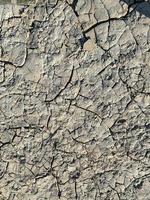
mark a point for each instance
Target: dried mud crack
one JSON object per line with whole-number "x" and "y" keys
{"x": 74, "y": 100}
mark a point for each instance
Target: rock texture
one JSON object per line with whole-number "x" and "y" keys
{"x": 75, "y": 100}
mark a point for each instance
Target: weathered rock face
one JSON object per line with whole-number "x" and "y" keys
{"x": 75, "y": 100}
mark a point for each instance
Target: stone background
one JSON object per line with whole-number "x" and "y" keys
{"x": 24, "y": 2}
{"x": 75, "y": 100}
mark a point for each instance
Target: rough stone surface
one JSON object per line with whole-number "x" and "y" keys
{"x": 75, "y": 100}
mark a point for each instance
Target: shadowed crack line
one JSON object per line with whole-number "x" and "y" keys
{"x": 70, "y": 78}
{"x": 88, "y": 110}
{"x": 112, "y": 19}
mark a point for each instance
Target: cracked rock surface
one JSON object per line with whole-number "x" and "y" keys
{"x": 75, "y": 100}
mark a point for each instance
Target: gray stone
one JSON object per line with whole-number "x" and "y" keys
{"x": 74, "y": 100}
